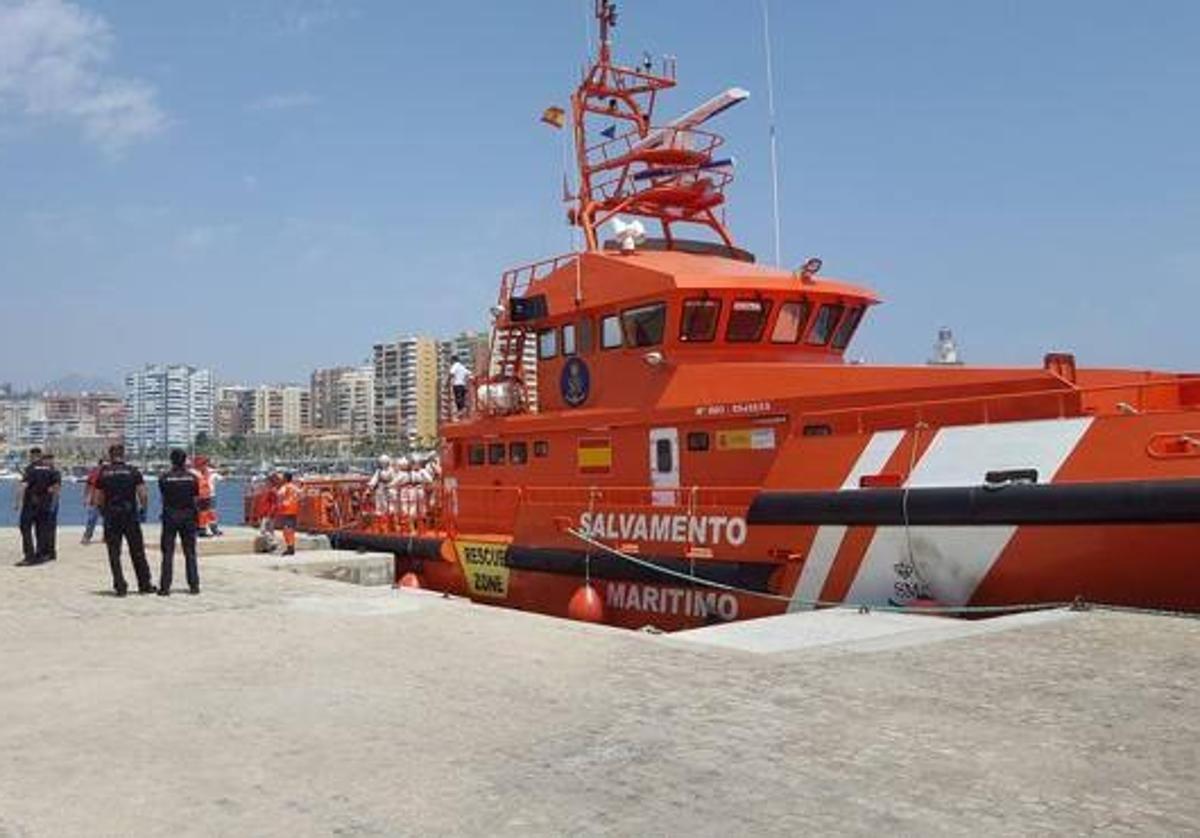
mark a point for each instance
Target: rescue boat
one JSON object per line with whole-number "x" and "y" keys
{"x": 693, "y": 446}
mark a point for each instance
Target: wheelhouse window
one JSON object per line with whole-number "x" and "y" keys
{"x": 699, "y": 321}
{"x": 826, "y": 319}
{"x": 568, "y": 339}
{"x": 541, "y": 448}
{"x": 747, "y": 319}
{"x": 475, "y": 455}
{"x": 610, "y": 332}
{"x": 698, "y": 441}
{"x": 790, "y": 322}
{"x": 547, "y": 344}
{"x": 518, "y": 453}
{"x": 587, "y": 336}
{"x": 841, "y": 338}
{"x": 495, "y": 453}
{"x": 643, "y": 326}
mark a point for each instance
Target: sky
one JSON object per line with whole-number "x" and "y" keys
{"x": 268, "y": 186}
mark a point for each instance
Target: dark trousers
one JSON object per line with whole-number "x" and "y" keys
{"x": 126, "y": 526}
{"x": 93, "y": 517}
{"x": 38, "y": 530}
{"x": 185, "y": 528}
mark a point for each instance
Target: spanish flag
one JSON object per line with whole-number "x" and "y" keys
{"x": 554, "y": 116}
{"x": 594, "y": 456}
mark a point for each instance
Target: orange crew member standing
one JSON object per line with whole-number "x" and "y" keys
{"x": 288, "y": 509}
{"x": 206, "y": 518}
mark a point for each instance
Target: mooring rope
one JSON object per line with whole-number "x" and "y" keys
{"x": 817, "y": 603}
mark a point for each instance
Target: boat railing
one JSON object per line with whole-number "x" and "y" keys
{"x": 1127, "y": 397}
{"x": 516, "y": 281}
{"x": 628, "y": 166}
{"x": 446, "y": 509}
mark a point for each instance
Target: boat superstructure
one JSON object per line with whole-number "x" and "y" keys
{"x": 694, "y": 445}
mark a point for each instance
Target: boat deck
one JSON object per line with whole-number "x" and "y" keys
{"x": 289, "y": 704}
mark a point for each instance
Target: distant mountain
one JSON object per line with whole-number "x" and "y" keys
{"x": 76, "y": 383}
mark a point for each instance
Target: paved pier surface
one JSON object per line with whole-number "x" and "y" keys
{"x": 287, "y": 704}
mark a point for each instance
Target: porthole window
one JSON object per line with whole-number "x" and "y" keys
{"x": 518, "y": 453}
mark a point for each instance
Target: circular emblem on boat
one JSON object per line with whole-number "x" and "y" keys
{"x": 575, "y": 383}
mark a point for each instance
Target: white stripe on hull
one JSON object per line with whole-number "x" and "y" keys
{"x": 948, "y": 563}
{"x": 828, "y": 538}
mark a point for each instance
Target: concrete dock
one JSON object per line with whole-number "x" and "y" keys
{"x": 281, "y": 703}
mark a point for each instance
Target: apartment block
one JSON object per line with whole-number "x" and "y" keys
{"x": 282, "y": 410}
{"x": 168, "y": 405}
{"x": 406, "y": 389}
{"x": 234, "y": 411}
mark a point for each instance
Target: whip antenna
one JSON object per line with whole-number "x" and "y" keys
{"x": 771, "y": 132}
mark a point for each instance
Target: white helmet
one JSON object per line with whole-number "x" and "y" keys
{"x": 402, "y": 462}
{"x": 384, "y": 461}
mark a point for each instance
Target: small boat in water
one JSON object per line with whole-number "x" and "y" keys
{"x": 693, "y": 446}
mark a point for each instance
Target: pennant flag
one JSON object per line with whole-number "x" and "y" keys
{"x": 610, "y": 132}
{"x": 554, "y": 116}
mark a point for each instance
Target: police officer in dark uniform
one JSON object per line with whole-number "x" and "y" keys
{"x": 38, "y": 495}
{"x": 122, "y": 499}
{"x": 180, "y": 489}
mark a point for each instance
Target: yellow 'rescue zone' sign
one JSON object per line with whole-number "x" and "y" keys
{"x": 485, "y": 567}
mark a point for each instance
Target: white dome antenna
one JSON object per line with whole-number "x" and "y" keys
{"x": 628, "y": 234}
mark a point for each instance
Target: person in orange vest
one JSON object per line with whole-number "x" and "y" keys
{"x": 269, "y": 510}
{"x": 288, "y": 509}
{"x": 206, "y": 523}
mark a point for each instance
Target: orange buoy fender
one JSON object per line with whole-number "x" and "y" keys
{"x": 410, "y": 580}
{"x": 586, "y": 605}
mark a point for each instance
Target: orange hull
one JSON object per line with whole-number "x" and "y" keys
{"x": 694, "y": 444}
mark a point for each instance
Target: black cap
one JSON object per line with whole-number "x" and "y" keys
{"x": 178, "y": 457}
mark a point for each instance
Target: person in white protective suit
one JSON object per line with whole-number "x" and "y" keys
{"x": 413, "y": 481}
{"x": 382, "y": 486}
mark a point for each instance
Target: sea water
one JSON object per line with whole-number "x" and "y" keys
{"x": 71, "y": 511}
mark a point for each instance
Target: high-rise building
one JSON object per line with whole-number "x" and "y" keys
{"x": 406, "y": 390}
{"x": 167, "y": 405}
{"x": 473, "y": 350}
{"x": 343, "y": 400}
{"x": 282, "y": 410}
{"x": 234, "y": 411}
{"x": 85, "y": 415}
{"x": 356, "y": 402}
